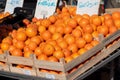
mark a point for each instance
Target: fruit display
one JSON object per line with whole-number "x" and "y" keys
{"x": 64, "y": 35}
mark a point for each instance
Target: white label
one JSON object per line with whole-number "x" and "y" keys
{"x": 27, "y": 72}
{"x": 45, "y": 8}
{"x": 11, "y": 4}
{"x": 88, "y": 7}
{"x": 50, "y": 76}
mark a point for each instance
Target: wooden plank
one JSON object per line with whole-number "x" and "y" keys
{"x": 20, "y": 60}
{"x": 49, "y": 65}
{"x": 3, "y": 57}
{"x": 94, "y": 61}
{"x": 22, "y": 71}
{"x": 4, "y": 68}
{"x": 111, "y": 10}
{"x": 84, "y": 57}
{"x": 111, "y": 38}
{"x": 52, "y": 76}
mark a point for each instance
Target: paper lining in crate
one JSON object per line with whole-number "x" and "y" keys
{"x": 3, "y": 62}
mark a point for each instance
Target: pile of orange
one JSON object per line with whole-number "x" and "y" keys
{"x": 64, "y": 35}
{"x": 2, "y": 15}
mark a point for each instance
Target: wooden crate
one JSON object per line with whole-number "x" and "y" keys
{"x": 90, "y": 58}
{"x": 94, "y": 56}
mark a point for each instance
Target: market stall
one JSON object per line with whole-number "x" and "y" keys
{"x": 58, "y": 44}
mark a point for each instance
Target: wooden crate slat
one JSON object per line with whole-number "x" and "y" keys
{"x": 49, "y": 65}
{"x": 52, "y": 76}
{"x": 20, "y": 60}
{"x": 4, "y": 68}
{"x": 94, "y": 61}
{"x": 22, "y": 71}
{"x": 84, "y": 57}
{"x": 3, "y": 57}
{"x": 111, "y": 38}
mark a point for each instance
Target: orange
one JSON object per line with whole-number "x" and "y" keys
{"x": 75, "y": 55}
{"x": 7, "y": 40}
{"x": 21, "y": 29}
{"x": 26, "y": 48}
{"x": 26, "y": 21}
{"x": 112, "y": 29}
{"x": 109, "y": 22}
{"x": 82, "y": 51}
{"x": 64, "y": 9}
{"x": 83, "y": 22}
{"x": 41, "y": 29}
{"x": 86, "y": 16}
{"x": 52, "y": 28}
{"x": 57, "y": 47}
{"x": 97, "y": 21}
{"x": 70, "y": 39}
{"x": 42, "y": 57}
{"x": 68, "y": 59}
{"x": 63, "y": 44}
{"x": 67, "y": 52}
{"x": 31, "y": 31}
{"x": 77, "y": 17}
{"x": 117, "y": 23}
{"x": 27, "y": 41}
{"x": 20, "y": 44}
{"x": 72, "y": 23}
{"x": 36, "y": 39}
{"x": 38, "y": 23}
{"x": 103, "y": 30}
{"x": 13, "y": 34}
{"x": 95, "y": 34}
{"x": 52, "y": 19}
{"x": 88, "y": 46}
{"x": 80, "y": 42}
{"x": 73, "y": 48}
{"x": 58, "y": 54}
{"x": 56, "y": 36}
{"x": 5, "y": 46}
{"x": 53, "y": 59}
{"x": 76, "y": 33}
{"x": 88, "y": 29}
{"x": 27, "y": 68}
{"x": 17, "y": 52}
{"x": 94, "y": 42}
{"x": 88, "y": 37}
{"x": 21, "y": 36}
{"x": 46, "y": 35}
{"x": 59, "y": 28}
{"x": 67, "y": 29}
{"x": 116, "y": 15}
{"x": 27, "y": 54}
{"x": 38, "y": 51}
{"x": 107, "y": 16}
{"x": 48, "y": 49}
{"x": 52, "y": 42}
{"x": 1, "y": 52}
{"x": 34, "y": 19}
{"x": 32, "y": 45}
{"x": 45, "y": 22}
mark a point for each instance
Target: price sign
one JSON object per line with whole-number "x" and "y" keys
{"x": 88, "y": 7}
{"x": 45, "y": 8}
{"x": 11, "y": 4}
